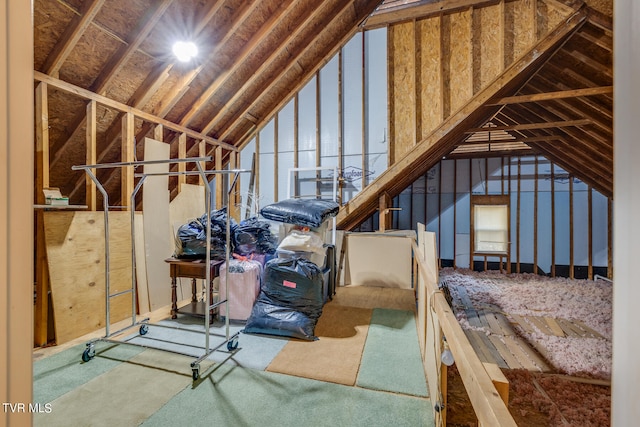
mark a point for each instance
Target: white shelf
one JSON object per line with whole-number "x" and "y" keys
{"x": 60, "y": 207}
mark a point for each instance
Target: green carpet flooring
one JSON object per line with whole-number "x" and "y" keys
{"x": 58, "y": 374}
{"x": 391, "y": 359}
{"x": 128, "y": 385}
{"x": 234, "y": 397}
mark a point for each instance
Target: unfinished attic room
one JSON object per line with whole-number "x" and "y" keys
{"x": 321, "y": 213}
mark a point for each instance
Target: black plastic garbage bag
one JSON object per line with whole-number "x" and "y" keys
{"x": 253, "y": 236}
{"x": 290, "y": 300}
{"x": 219, "y": 222}
{"x": 306, "y": 212}
{"x": 191, "y": 238}
{"x": 272, "y": 319}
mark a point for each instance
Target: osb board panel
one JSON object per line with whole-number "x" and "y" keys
{"x": 525, "y": 28}
{"x": 50, "y": 19}
{"x": 488, "y": 54}
{"x": 551, "y": 14}
{"x": 404, "y": 69}
{"x": 603, "y": 6}
{"x": 76, "y": 259}
{"x": 430, "y": 75}
{"x": 377, "y": 259}
{"x": 520, "y": 25}
{"x": 461, "y": 68}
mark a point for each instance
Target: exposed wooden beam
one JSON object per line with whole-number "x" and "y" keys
{"x": 574, "y": 161}
{"x": 605, "y": 42}
{"x": 182, "y": 154}
{"x": 605, "y": 69}
{"x": 127, "y": 155}
{"x": 553, "y": 95}
{"x": 529, "y": 126}
{"x": 91, "y": 156}
{"x": 84, "y": 93}
{"x": 74, "y": 30}
{"x": 421, "y": 10}
{"x": 284, "y": 44}
{"x": 524, "y": 151}
{"x": 601, "y": 112}
{"x": 41, "y": 309}
{"x": 442, "y": 139}
{"x": 580, "y": 109}
{"x": 153, "y": 81}
{"x": 339, "y": 15}
{"x": 42, "y": 140}
{"x": 511, "y": 141}
{"x": 576, "y": 140}
{"x": 125, "y": 51}
{"x": 209, "y": 91}
{"x": 603, "y": 140}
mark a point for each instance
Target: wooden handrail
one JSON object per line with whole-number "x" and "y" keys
{"x": 485, "y": 399}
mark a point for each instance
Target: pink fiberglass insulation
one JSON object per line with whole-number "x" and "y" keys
{"x": 583, "y": 301}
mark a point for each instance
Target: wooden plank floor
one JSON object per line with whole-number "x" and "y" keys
{"x": 495, "y": 338}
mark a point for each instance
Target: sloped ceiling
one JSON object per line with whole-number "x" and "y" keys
{"x": 564, "y": 111}
{"x": 559, "y": 106}
{"x": 254, "y": 55}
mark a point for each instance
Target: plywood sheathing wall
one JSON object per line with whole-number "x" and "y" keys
{"x": 437, "y": 64}
{"x": 76, "y": 259}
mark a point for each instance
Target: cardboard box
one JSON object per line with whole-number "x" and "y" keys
{"x": 53, "y": 197}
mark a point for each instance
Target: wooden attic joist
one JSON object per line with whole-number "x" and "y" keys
{"x": 443, "y": 139}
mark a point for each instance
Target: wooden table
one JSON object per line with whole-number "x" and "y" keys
{"x": 193, "y": 269}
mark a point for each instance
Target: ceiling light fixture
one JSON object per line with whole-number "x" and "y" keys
{"x": 185, "y": 51}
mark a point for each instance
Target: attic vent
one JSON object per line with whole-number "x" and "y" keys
{"x": 489, "y": 141}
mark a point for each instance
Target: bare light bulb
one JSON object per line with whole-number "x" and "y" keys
{"x": 447, "y": 356}
{"x": 185, "y": 51}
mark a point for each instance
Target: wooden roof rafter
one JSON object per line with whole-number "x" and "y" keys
{"x": 293, "y": 35}
{"x": 141, "y": 96}
{"x": 569, "y": 133}
{"x": 580, "y": 108}
{"x": 74, "y": 30}
{"x": 443, "y": 139}
{"x": 562, "y": 112}
{"x": 530, "y": 126}
{"x": 546, "y": 96}
{"x": 338, "y": 15}
{"x": 578, "y": 160}
{"x": 117, "y": 61}
{"x": 113, "y": 67}
{"x": 144, "y": 93}
{"x": 118, "y": 106}
{"x": 419, "y": 10}
{"x": 239, "y": 59}
{"x": 586, "y": 160}
{"x": 599, "y": 111}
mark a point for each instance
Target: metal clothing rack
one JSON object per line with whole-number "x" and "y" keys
{"x": 231, "y": 340}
